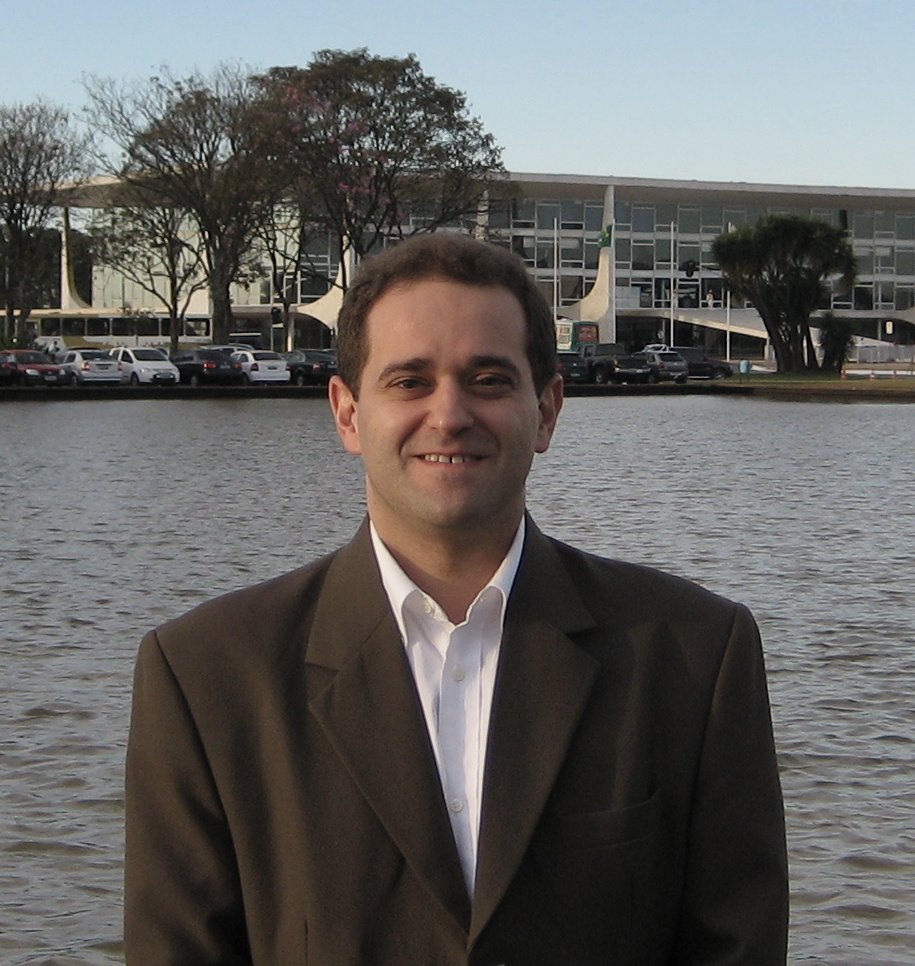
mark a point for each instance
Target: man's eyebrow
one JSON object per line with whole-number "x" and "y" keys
{"x": 418, "y": 364}
{"x": 495, "y": 362}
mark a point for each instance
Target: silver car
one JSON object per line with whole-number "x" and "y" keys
{"x": 665, "y": 364}
{"x": 83, "y": 367}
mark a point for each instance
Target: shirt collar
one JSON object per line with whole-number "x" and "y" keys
{"x": 399, "y": 588}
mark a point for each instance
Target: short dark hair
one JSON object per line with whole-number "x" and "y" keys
{"x": 454, "y": 257}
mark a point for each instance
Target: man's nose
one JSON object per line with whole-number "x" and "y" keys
{"x": 449, "y": 408}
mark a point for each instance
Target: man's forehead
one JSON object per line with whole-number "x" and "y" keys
{"x": 492, "y": 291}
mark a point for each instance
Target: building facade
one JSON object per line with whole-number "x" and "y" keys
{"x": 656, "y": 281}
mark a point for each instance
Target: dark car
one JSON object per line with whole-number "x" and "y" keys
{"x": 29, "y": 367}
{"x": 310, "y": 367}
{"x": 572, "y": 367}
{"x": 633, "y": 367}
{"x": 665, "y": 365}
{"x": 702, "y": 365}
{"x": 199, "y": 367}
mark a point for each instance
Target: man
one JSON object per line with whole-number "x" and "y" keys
{"x": 455, "y": 740}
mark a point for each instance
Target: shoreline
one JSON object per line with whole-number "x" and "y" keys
{"x": 855, "y": 387}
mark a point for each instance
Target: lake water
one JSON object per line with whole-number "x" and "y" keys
{"x": 119, "y": 515}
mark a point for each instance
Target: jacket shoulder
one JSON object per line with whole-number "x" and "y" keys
{"x": 641, "y": 591}
{"x": 268, "y": 613}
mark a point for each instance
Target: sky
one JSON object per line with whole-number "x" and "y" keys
{"x": 812, "y": 92}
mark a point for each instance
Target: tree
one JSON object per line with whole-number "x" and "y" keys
{"x": 376, "y": 148}
{"x": 836, "y": 341}
{"x": 40, "y": 150}
{"x": 782, "y": 264}
{"x": 201, "y": 145}
{"x": 150, "y": 245}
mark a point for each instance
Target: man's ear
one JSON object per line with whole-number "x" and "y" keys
{"x": 343, "y": 405}
{"x": 550, "y": 404}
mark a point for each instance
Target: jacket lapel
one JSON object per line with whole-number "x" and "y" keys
{"x": 543, "y": 684}
{"x": 372, "y": 717}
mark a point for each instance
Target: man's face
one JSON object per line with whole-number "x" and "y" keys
{"x": 447, "y": 420}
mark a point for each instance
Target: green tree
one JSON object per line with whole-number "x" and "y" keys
{"x": 782, "y": 264}
{"x": 837, "y": 337}
{"x": 374, "y": 148}
{"x": 201, "y": 145}
{"x": 40, "y": 150}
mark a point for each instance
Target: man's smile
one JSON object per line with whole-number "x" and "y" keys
{"x": 445, "y": 458}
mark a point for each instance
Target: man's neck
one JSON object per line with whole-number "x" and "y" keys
{"x": 452, "y": 573}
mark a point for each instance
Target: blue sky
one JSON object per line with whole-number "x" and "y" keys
{"x": 813, "y": 92}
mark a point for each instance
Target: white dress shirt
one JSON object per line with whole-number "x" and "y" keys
{"x": 454, "y": 666}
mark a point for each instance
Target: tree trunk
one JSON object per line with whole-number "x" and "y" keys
{"x": 173, "y": 332}
{"x": 222, "y": 312}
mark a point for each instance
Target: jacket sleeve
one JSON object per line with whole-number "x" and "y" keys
{"x": 736, "y": 898}
{"x": 183, "y": 901}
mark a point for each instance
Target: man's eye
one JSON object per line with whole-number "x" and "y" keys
{"x": 408, "y": 383}
{"x": 492, "y": 380}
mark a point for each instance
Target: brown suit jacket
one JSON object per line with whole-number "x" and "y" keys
{"x": 283, "y": 804}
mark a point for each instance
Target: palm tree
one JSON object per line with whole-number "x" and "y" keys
{"x": 781, "y": 264}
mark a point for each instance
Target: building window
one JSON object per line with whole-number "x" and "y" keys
{"x": 905, "y": 227}
{"x": 545, "y": 255}
{"x": 905, "y": 261}
{"x": 905, "y": 298}
{"x": 863, "y": 224}
{"x": 689, "y": 221}
{"x": 594, "y": 217}
{"x": 547, "y": 215}
{"x": 572, "y": 214}
{"x": 523, "y": 214}
{"x": 523, "y": 247}
{"x": 571, "y": 252}
{"x": 642, "y": 219}
{"x": 884, "y": 224}
{"x": 642, "y": 257}
{"x": 711, "y": 220}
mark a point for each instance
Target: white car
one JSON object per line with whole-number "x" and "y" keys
{"x": 261, "y": 365}
{"x": 84, "y": 367}
{"x": 145, "y": 364}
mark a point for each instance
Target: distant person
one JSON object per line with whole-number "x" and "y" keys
{"x": 454, "y": 740}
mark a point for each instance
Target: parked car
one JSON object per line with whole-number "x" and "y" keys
{"x": 145, "y": 364}
{"x": 29, "y": 367}
{"x": 230, "y": 348}
{"x": 199, "y": 367}
{"x": 665, "y": 365}
{"x": 702, "y": 365}
{"x": 310, "y": 367}
{"x": 633, "y": 367}
{"x": 96, "y": 367}
{"x": 600, "y": 358}
{"x": 262, "y": 365}
{"x": 8, "y": 370}
{"x": 572, "y": 367}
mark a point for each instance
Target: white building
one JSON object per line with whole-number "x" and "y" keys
{"x": 657, "y": 282}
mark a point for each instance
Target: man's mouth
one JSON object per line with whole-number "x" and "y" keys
{"x": 445, "y": 458}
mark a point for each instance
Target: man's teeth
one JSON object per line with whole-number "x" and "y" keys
{"x": 441, "y": 458}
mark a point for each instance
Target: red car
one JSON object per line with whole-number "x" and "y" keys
{"x": 31, "y": 368}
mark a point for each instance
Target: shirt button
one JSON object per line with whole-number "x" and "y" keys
{"x": 457, "y": 673}
{"x": 456, "y": 805}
